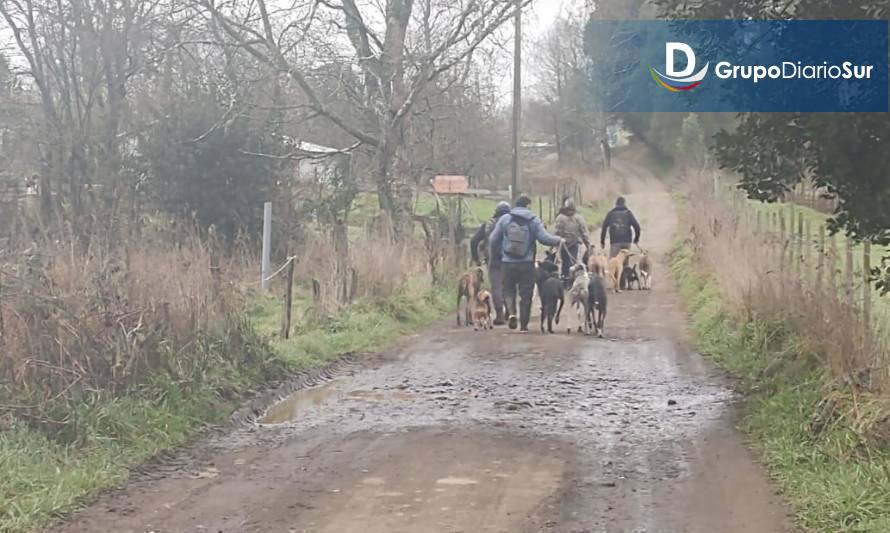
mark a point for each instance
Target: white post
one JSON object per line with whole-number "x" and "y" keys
{"x": 267, "y": 245}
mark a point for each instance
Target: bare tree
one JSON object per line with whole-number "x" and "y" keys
{"x": 400, "y": 47}
{"x": 83, "y": 57}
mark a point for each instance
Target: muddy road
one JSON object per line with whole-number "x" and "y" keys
{"x": 485, "y": 432}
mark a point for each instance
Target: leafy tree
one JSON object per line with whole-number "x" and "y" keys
{"x": 206, "y": 168}
{"x": 691, "y": 147}
{"x": 846, "y": 153}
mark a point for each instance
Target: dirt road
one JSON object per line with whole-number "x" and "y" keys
{"x": 486, "y": 432}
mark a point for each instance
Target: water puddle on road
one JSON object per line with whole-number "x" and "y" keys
{"x": 292, "y": 408}
{"x": 296, "y": 406}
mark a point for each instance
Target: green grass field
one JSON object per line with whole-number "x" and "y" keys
{"x": 474, "y": 212}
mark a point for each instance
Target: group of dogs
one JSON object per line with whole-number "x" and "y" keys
{"x": 587, "y": 293}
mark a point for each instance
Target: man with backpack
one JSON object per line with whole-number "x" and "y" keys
{"x": 622, "y": 228}
{"x": 515, "y": 239}
{"x": 480, "y": 250}
{"x": 570, "y": 225}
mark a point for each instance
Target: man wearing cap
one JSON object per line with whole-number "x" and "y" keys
{"x": 480, "y": 250}
{"x": 514, "y": 238}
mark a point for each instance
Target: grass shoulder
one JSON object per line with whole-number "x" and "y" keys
{"x": 804, "y": 425}
{"x": 45, "y": 474}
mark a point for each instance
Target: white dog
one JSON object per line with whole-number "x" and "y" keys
{"x": 579, "y": 296}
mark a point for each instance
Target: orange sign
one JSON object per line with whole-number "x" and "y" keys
{"x": 451, "y": 184}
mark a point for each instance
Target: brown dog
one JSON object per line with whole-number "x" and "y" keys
{"x": 482, "y": 311}
{"x": 616, "y": 267}
{"x": 467, "y": 289}
{"x": 598, "y": 264}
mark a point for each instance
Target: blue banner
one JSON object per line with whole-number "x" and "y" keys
{"x": 738, "y": 66}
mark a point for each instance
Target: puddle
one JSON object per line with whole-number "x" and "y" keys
{"x": 457, "y": 481}
{"x": 380, "y": 396}
{"x": 292, "y": 408}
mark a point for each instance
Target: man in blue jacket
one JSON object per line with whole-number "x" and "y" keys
{"x": 515, "y": 239}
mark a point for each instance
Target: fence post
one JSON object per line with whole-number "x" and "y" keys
{"x": 851, "y": 297}
{"x": 820, "y": 268}
{"x": 288, "y": 301}
{"x": 800, "y": 244}
{"x": 2, "y": 327}
{"x": 832, "y": 273}
{"x": 866, "y": 287}
{"x": 807, "y": 256}
{"x": 341, "y": 260}
{"x": 267, "y": 246}
{"x": 783, "y": 245}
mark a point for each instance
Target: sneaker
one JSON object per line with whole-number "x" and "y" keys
{"x": 513, "y": 322}
{"x": 523, "y": 330}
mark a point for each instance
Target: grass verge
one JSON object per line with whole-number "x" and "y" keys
{"x": 835, "y": 480}
{"x": 45, "y": 474}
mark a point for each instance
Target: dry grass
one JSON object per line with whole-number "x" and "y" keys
{"x": 81, "y": 318}
{"x": 760, "y": 274}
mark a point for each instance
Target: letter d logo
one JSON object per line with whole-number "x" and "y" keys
{"x": 671, "y": 50}
{"x": 677, "y": 81}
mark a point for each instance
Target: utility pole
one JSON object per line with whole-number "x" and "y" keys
{"x": 517, "y": 99}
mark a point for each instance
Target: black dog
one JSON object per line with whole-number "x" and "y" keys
{"x": 551, "y": 292}
{"x": 629, "y": 276}
{"x": 596, "y": 311}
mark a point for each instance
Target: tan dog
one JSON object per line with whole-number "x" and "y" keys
{"x": 468, "y": 288}
{"x": 598, "y": 264}
{"x": 482, "y": 311}
{"x": 645, "y": 266}
{"x": 616, "y": 266}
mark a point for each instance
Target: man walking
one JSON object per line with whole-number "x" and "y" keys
{"x": 622, "y": 228}
{"x": 570, "y": 225}
{"x": 480, "y": 247}
{"x": 515, "y": 239}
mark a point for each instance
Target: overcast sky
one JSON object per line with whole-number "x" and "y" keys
{"x": 539, "y": 17}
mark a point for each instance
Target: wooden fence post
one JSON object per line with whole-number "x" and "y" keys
{"x": 783, "y": 245}
{"x": 820, "y": 268}
{"x": 2, "y": 327}
{"x": 832, "y": 265}
{"x": 341, "y": 260}
{"x": 807, "y": 256}
{"x": 866, "y": 287}
{"x": 849, "y": 288}
{"x": 800, "y": 245}
{"x": 288, "y": 301}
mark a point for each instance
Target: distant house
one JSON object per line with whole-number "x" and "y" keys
{"x": 318, "y": 164}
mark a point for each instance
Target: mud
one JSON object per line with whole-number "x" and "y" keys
{"x": 486, "y": 432}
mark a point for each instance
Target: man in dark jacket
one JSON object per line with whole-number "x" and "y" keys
{"x": 514, "y": 238}
{"x": 480, "y": 250}
{"x": 622, "y": 227}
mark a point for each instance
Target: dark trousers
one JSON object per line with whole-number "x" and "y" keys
{"x": 569, "y": 259}
{"x": 519, "y": 279}
{"x": 616, "y": 247}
